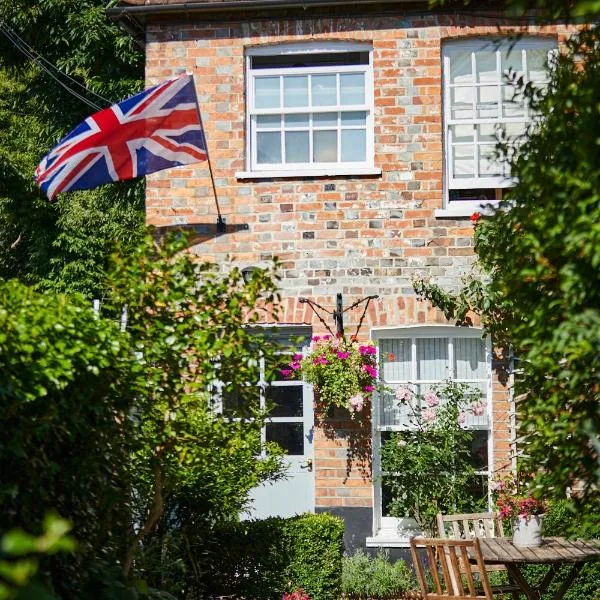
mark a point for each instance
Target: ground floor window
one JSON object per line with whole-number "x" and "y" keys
{"x": 415, "y": 363}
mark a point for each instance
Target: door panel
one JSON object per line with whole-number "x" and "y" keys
{"x": 291, "y": 426}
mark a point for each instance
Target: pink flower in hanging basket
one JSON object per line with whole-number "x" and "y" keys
{"x": 372, "y": 371}
{"x": 356, "y": 402}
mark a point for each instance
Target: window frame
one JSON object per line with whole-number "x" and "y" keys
{"x": 282, "y": 334}
{"x": 385, "y": 529}
{"x": 283, "y": 169}
{"x": 472, "y": 45}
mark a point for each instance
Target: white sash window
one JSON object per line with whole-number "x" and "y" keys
{"x": 479, "y": 99}
{"x": 310, "y": 109}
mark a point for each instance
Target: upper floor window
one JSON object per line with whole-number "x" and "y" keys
{"x": 479, "y": 98}
{"x": 310, "y": 109}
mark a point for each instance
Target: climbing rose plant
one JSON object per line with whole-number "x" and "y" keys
{"x": 343, "y": 372}
{"x": 427, "y": 467}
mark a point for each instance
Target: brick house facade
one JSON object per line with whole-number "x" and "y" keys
{"x": 359, "y": 229}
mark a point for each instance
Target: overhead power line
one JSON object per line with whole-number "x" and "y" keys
{"x": 46, "y": 66}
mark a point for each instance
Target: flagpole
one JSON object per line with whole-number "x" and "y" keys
{"x": 221, "y": 225}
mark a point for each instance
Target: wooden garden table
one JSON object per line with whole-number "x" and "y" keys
{"x": 554, "y": 551}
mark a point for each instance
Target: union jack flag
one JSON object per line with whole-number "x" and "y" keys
{"x": 156, "y": 129}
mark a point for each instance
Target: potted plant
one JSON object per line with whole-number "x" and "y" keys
{"x": 344, "y": 373}
{"x": 516, "y": 502}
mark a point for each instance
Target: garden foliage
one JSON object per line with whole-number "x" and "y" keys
{"x": 119, "y": 431}
{"x": 67, "y": 387}
{"x": 541, "y": 256}
{"x": 364, "y": 576}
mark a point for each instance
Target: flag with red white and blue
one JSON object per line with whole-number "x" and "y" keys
{"x": 156, "y": 129}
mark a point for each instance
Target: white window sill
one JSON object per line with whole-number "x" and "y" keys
{"x": 321, "y": 172}
{"x": 387, "y": 541}
{"x": 465, "y": 211}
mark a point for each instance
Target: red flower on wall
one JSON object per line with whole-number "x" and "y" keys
{"x": 475, "y": 217}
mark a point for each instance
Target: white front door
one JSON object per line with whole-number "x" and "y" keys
{"x": 291, "y": 425}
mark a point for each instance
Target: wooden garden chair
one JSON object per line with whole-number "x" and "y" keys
{"x": 444, "y": 569}
{"x": 476, "y": 525}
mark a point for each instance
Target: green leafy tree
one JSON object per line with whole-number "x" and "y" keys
{"x": 63, "y": 246}
{"x": 541, "y": 254}
{"x": 196, "y": 463}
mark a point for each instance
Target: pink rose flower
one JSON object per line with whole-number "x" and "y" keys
{"x": 343, "y": 355}
{"x": 478, "y": 408}
{"x": 403, "y": 394}
{"x": 429, "y": 415}
{"x": 431, "y": 399}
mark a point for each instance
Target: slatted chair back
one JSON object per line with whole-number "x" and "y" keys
{"x": 467, "y": 526}
{"x": 444, "y": 569}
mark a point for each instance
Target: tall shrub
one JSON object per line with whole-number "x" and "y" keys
{"x": 66, "y": 390}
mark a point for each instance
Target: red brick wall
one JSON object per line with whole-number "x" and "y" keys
{"x": 368, "y": 235}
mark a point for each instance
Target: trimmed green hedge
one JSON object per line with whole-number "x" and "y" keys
{"x": 262, "y": 559}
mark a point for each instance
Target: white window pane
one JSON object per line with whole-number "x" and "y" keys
{"x": 325, "y": 146}
{"x": 485, "y": 65}
{"x": 461, "y": 103}
{"x": 296, "y": 147}
{"x": 463, "y": 161}
{"x": 268, "y": 121}
{"x": 324, "y": 90}
{"x": 268, "y": 147}
{"x": 469, "y": 356}
{"x": 352, "y": 88}
{"x": 432, "y": 358}
{"x": 354, "y": 145}
{"x": 325, "y": 120}
{"x": 487, "y": 102}
{"x": 512, "y": 62}
{"x": 300, "y": 120}
{"x": 475, "y": 406}
{"x": 354, "y": 118}
{"x": 489, "y": 165}
{"x": 295, "y": 91}
{"x": 512, "y": 102}
{"x": 461, "y": 68}
{"x": 462, "y": 133}
{"x": 395, "y": 359}
{"x": 266, "y": 90}
{"x": 536, "y": 64}
{"x": 487, "y": 133}
{"x": 515, "y": 130}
